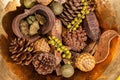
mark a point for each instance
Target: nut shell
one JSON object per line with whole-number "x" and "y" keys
{"x": 85, "y": 62}
{"x": 39, "y": 9}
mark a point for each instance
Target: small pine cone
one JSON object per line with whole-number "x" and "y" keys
{"x": 44, "y": 63}
{"x": 22, "y": 51}
{"x": 41, "y": 45}
{"x": 85, "y": 62}
{"x": 76, "y": 40}
{"x": 71, "y": 8}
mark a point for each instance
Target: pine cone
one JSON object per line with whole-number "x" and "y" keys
{"x": 22, "y": 51}
{"x": 41, "y": 45}
{"x": 75, "y": 39}
{"x": 72, "y": 8}
{"x": 44, "y": 63}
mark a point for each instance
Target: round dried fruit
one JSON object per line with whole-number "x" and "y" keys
{"x": 56, "y": 7}
{"x": 85, "y": 62}
{"x": 67, "y": 70}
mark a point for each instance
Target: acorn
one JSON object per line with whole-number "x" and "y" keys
{"x": 67, "y": 70}
{"x": 85, "y": 62}
{"x": 56, "y": 7}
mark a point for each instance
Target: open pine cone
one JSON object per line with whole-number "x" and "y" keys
{"x": 22, "y": 51}
{"x": 72, "y": 8}
{"x": 76, "y": 40}
{"x": 44, "y": 63}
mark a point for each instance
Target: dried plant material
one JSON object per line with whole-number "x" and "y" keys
{"x": 44, "y": 63}
{"x": 34, "y": 27}
{"x": 22, "y": 51}
{"x": 102, "y": 51}
{"x": 56, "y": 7}
{"x": 92, "y": 26}
{"x": 24, "y": 27}
{"x": 57, "y": 29}
{"x": 41, "y": 45}
{"x": 41, "y": 19}
{"x": 40, "y": 9}
{"x": 44, "y": 2}
{"x": 30, "y": 19}
{"x": 85, "y": 62}
{"x": 76, "y": 40}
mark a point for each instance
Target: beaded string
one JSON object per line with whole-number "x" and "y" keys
{"x": 74, "y": 24}
{"x": 60, "y": 47}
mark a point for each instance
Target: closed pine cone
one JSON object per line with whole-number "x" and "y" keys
{"x": 72, "y": 8}
{"x": 44, "y": 63}
{"x": 22, "y": 51}
{"x": 85, "y": 62}
{"x": 76, "y": 40}
{"x": 41, "y": 45}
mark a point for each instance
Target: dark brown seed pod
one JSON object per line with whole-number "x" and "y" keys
{"x": 40, "y": 9}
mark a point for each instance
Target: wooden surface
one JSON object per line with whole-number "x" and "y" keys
{"x": 11, "y": 71}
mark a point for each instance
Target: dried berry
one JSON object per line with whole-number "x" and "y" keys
{"x": 85, "y": 62}
{"x": 41, "y": 45}
{"x": 44, "y": 63}
{"x": 56, "y": 7}
{"x": 67, "y": 70}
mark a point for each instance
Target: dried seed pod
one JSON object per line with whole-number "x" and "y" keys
{"x": 39, "y": 9}
{"x": 44, "y": 63}
{"x": 103, "y": 46}
{"x": 85, "y": 62}
{"x": 24, "y": 27}
{"x": 92, "y": 26}
{"x": 41, "y": 45}
{"x": 34, "y": 27}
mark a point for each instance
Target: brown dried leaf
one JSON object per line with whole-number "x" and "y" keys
{"x": 103, "y": 47}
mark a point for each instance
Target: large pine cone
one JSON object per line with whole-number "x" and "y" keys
{"x": 72, "y": 8}
{"x": 44, "y": 63}
{"x": 76, "y": 40}
{"x": 22, "y": 51}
